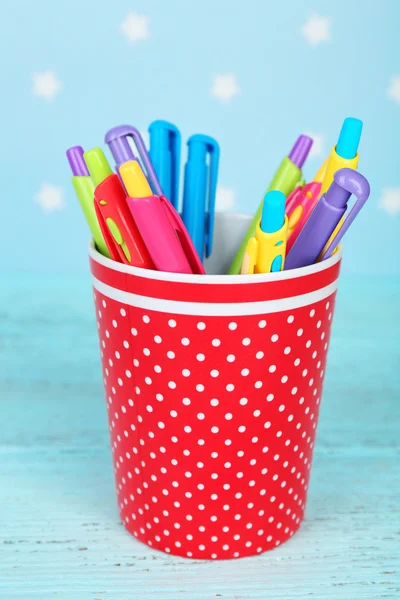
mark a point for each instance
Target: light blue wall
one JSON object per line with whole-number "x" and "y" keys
{"x": 287, "y": 85}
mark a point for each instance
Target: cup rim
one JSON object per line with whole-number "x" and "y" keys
{"x": 214, "y": 279}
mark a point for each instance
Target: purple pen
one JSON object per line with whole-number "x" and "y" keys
{"x": 117, "y": 140}
{"x": 76, "y": 161}
{"x": 326, "y": 216}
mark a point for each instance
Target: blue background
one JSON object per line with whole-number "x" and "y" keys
{"x": 287, "y": 87}
{"x": 60, "y": 528}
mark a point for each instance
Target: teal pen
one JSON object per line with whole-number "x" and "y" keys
{"x": 165, "y": 156}
{"x": 200, "y": 187}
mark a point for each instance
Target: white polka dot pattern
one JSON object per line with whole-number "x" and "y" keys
{"x": 212, "y": 423}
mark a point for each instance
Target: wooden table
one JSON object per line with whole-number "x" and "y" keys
{"x": 61, "y": 535}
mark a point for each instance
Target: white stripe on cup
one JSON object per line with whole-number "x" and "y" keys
{"x": 214, "y": 309}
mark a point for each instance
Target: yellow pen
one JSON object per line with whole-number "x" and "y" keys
{"x": 344, "y": 154}
{"x": 265, "y": 253}
{"x": 319, "y": 177}
{"x": 134, "y": 180}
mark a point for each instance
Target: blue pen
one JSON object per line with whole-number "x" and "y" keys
{"x": 199, "y": 191}
{"x": 165, "y": 156}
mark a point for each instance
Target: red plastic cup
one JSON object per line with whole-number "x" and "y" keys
{"x": 213, "y": 387}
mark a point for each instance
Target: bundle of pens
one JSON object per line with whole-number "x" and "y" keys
{"x": 213, "y": 384}
{"x": 133, "y": 213}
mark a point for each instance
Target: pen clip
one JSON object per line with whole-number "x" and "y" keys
{"x": 165, "y": 156}
{"x": 116, "y": 138}
{"x": 354, "y": 183}
{"x": 109, "y": 240}
{"x": 184, "y": 238}
{"x": 212, "y": 149}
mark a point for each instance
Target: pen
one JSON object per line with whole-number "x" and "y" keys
{"x": 266, "y": 251}
{"x": 300, "y": 204}
{"x": 285, "y": 180}
{"x": 84, "y": 189}
{"x": 165, "y": 156}
{"x": 199, "y": 191}
{"x": 160, "y": 226}
{"x": 330, "y": 209}
{"x": 117, "y": 140}
{"x": 320, "y": 174}
{"x": 343, "y": 155}
{"x": 119, "y": 229}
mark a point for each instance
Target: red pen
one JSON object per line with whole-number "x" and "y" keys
{"x": 116, "y": 222}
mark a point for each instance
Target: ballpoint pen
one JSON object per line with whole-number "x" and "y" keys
{"x": 332, "y": 206}
{"x": 165, "y": 156}
{"x": 117, "y": 140}
{"x": 286, "y": 178}
{"x": 320, "y": 174}
{"x": 84, "y": 189}
{"x": 119, "y": 229}
{"x": 344, "y": 154}
{"x": 300, "y": 204}
{"x": 159, "y": 224}
{"x": 266, "y": 251}
{"x": 199, "y": 192}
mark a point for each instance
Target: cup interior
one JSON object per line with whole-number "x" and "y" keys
{"x": 229, "y": 231}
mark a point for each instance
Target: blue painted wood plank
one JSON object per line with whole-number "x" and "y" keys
{"x": 59, "y": 526}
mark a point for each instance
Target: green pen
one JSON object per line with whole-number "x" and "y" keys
{"x": 84, "y": 187}
{"x": 286, "y": 178}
